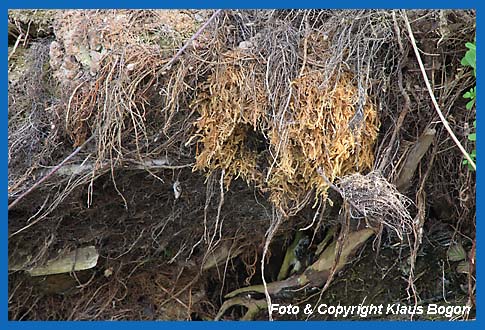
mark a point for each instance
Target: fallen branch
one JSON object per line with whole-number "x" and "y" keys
{"x": 128, "y": 164}
{"x": 431, "y": 94}
{"x": 79, "y": 259}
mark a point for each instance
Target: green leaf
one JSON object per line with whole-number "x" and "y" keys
{"x": 470, "y": 104}
{"x": 466, "y": 162}
{"x": 471, "y": 59}
{"x": 471, "y": 46}
{"x": 471, "y": 93}
{"x": 463, "y": 267}
{"x": 456, "y": 252}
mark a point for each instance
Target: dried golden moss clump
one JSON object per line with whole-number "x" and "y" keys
{"x": 232, "y": 106}
{"x": 239, "y": 133}
{"x": 319, "y": 134}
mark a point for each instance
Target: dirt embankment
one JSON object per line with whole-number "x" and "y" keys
{"x": 282, "y": 156}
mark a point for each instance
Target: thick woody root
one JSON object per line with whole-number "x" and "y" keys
{"x": 315, "y": 276}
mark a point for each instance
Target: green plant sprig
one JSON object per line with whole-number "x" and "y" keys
{"x": 470, "y": 60}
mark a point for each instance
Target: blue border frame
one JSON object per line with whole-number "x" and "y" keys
{"x": 335, "y": 4}
{"x": 282, "y": 4}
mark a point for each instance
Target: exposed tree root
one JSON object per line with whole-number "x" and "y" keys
{"x": 316, "y": 275}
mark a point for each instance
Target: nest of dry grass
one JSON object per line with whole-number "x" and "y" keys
{"x": 374, "y": 200}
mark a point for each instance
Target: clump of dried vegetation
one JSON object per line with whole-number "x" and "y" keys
{"x": 192, "y": 168}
